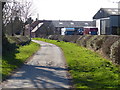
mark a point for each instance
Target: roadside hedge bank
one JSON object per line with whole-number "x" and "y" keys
{"x": 107, "y": 45}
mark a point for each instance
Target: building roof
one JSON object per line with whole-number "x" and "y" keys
{"x": 106, "y": 12}
{"x": 36, "y": 28}
{"x": 112, "y": 11}
{"x": 35, "y": 23}
{"x": 75, "y": 24}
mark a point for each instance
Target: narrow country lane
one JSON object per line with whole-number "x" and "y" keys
{"x": 46, "y": 69}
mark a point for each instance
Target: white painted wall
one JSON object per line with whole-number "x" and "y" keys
{"x": 63, "y": 31}
{"x": 98, "y": 25}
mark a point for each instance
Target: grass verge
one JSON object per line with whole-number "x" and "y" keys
{"x": 15, "y": 58}
{"x": 87, "y": 68}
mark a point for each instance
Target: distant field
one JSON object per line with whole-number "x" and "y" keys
{"x": 87, "y": 68}
{"x": 14, "y": 59}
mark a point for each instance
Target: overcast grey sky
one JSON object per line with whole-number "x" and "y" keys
{"x": 70, "y": 9}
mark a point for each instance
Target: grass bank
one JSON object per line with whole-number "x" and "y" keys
{"x": 15, "y": 58}
{"x": 87, "y": 68}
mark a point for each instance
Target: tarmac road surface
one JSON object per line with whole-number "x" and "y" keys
{"x": 46, "y": 69}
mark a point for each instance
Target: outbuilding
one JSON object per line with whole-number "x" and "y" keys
{"x": 107, "y": 21}
{"x": 58, "y": 27}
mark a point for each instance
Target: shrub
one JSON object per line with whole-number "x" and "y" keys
{"x": 108, "y": 43}
{"x": 118, "y": 31}
{"x": 115, "y": 52}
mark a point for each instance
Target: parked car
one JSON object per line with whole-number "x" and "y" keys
{"x": 90, "y": 31}
{"x": 69, "y": 31}
{"x": 80, "y": 31}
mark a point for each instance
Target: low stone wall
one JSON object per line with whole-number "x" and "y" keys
{"x": 19, "y": 40}
{"x": 107, "y": 45}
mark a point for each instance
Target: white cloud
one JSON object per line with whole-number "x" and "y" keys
{"x": 70, "y": 9}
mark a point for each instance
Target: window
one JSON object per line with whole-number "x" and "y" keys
{"x": 86, "y": 24}
{"x": 60, "y": 23}
{"x": 114, "y": 13}
{"x": 109, "y": 10}
{"x": 72, "y": 23}
{"x": 116, "y": 10}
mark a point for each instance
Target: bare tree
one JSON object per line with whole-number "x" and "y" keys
{"x": 27, "y": 9}
{"x": 17, "y": 8}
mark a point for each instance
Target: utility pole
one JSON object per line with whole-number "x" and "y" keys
{"x": 2, "y": 2}
{"x": 119, "y": 14}
{"x": 119, "y": 17}
{"x": 118, "y": 2}
{"x": 0, "y": 37}
{"x": 0, "y": 30}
